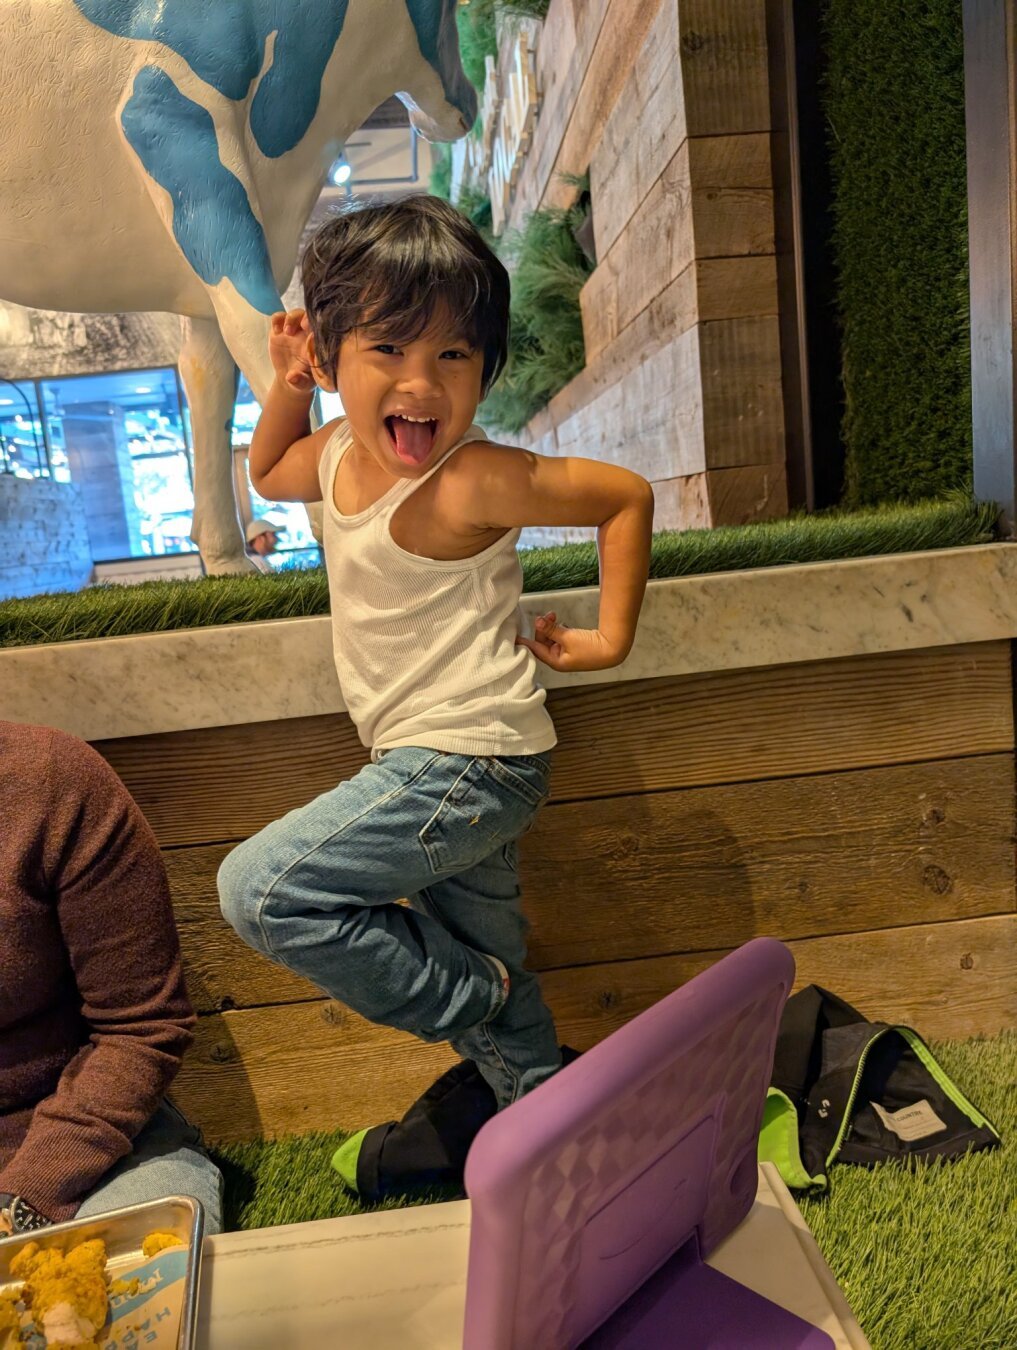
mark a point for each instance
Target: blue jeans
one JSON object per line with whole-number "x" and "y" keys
{"x": 316, "y": 891}
{"x": 167, "y": 1159}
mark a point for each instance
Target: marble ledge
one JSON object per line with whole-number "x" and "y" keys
{"x": 240, "y": 673}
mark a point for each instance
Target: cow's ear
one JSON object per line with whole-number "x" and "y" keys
{"x": 323, "y": 378}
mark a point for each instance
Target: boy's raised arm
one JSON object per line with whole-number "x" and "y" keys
{"x": 284, "y": 451}
{"x": 516, "y": 488}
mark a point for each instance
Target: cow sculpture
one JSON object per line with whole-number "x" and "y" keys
{"x": 166, "y": 154}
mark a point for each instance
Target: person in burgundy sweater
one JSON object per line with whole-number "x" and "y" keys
{"x": 94, "y": 1017}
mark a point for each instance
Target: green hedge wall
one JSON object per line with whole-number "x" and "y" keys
{"x": 894, "y": 101}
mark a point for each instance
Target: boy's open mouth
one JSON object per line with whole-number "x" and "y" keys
{"x": 412, "y": 440}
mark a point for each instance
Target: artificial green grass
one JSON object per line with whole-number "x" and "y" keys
{"x": 925, "y": 1256}
{"x": 289, "y": 1180}
{"x": 159, "y": 606}
{"x": 894, "y": 102}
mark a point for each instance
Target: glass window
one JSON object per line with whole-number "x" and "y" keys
{"x": 120, "y": 439}
{"x": 22, "y": 444}
{"x": 297, "y": 546}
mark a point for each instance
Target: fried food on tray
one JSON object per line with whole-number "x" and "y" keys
{"x": 158, "y": 1242}
{"x": 66, "y": 1292}
{"x": 10, "y": 1318}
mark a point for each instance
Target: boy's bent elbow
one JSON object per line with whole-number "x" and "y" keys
{"x": 641, "y": 498}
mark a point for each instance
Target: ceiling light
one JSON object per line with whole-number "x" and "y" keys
{"x": 341, "y": 172}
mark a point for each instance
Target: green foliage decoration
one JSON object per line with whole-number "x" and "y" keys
{"x": 440, "y": 184}
{"x": 525, "y": 9}
{"x": 546, "y": 347}
{"x": 478, "y": 37}
{"x": 894, "y": 102}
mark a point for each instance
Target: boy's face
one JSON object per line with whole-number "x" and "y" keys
{"x": 408, "y": 404}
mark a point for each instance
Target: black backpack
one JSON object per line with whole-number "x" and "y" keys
{"x": 848, "y": 1090}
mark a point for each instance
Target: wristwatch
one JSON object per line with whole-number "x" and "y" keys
{"x": 18, "y": 1216}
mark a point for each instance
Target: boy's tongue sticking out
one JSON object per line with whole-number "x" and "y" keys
{"x": 412, "y": 440}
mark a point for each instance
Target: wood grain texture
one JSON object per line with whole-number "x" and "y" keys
{"x": 713, "y": 200}
{"x": 709, "y": 288}
{"x": 314, "y": 1065}
{"x": 725, "y": 74}
{"x": 711, "y": 867}
{"x": 569, "y": 36}
{"x": 743, "y": 408}
{"x": 633, "y": 877}
{"x": 721, "y": 497}
{"x": 650, "y": 420}
{"x": 225, "y": 783}
{"x": 817, "y": 717}
{"x": 642, "y": 133}
{"x": 626, "y": 24}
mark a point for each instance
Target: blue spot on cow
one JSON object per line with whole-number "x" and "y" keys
{"x": 223, "y": 41}
{"x": 212, "y": 219}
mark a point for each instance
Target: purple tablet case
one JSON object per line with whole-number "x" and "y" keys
{"x": 594, "y": 1198}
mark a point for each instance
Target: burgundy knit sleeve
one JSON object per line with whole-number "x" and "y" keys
{"x": 104, "y": 872}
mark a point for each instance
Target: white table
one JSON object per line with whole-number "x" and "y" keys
{"x": 397, "y": 1280}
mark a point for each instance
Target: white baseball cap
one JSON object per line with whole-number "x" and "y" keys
{"x": 261, "y": 526}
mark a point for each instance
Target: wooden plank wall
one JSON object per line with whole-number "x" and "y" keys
{"x": 666, "y": 104}
{"x": 862, "y": 810}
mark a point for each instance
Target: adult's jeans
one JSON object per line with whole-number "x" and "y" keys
{"x": 168, "y": 1158}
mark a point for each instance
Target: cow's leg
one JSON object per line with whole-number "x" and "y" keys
{"x": 246, "y": 333}
{"x": 209, "y": 379}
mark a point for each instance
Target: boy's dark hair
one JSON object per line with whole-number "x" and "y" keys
{"x": 394, "y": 267}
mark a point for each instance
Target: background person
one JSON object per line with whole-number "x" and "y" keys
{"x": 262, "y": 540}
{"x": 94, "y": 1017}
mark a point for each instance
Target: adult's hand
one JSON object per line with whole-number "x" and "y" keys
{"x": 18, "y": 1216}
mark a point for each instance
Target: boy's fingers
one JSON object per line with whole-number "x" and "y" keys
{"x": 544, "y": 653}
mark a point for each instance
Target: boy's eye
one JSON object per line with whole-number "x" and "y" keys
{"x": 462, "y": 356}
{"x": 386, "y": 348}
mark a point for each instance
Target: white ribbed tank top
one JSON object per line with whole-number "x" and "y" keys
{"x": 426, "y": 648}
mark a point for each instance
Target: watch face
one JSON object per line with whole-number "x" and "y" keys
{"x": 18, "y": 1216}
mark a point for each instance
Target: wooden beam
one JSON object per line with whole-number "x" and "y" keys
{"x": 712, "y": 200}
{"x": 703, "y": 869}
{"x": 737, "y": 496}
{"x": 307, "y": 1066}
{"x": 725, "y": 75}
{"x": 614, "y": 739}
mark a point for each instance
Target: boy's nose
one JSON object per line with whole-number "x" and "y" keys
{"x": 421, "y": 377}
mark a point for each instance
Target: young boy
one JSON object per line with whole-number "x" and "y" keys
{"x": 407, "y": 317}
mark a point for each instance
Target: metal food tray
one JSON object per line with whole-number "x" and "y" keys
{"x": 123, "y": 1231}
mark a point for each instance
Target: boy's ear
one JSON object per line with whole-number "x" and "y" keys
{"x": 322, "y": 378}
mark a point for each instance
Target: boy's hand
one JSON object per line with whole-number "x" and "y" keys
{"x": 564, "y": 648}
{"x": 287, "y": 347}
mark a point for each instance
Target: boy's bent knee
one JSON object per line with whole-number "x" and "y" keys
{"x": 238, "y": 891}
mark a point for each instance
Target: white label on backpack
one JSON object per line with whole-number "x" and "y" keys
{"x": 910, "y": 1122}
